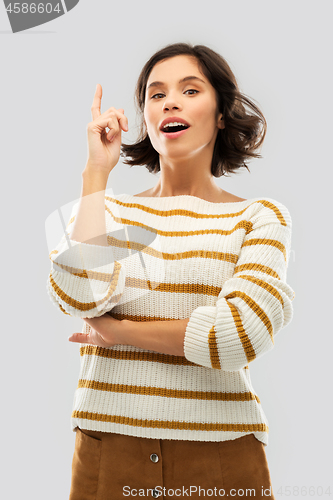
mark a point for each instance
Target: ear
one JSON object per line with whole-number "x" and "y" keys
{"x": 220, "y": 121}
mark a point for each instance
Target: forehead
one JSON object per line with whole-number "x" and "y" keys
{"x": 174, "y": 68}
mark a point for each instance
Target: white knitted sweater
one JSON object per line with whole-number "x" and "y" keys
{"x": 224, "y": 266}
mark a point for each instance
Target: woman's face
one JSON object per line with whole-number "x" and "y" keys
{"x": 170, "y": 93}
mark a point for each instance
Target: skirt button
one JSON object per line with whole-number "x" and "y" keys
{"x": 154, "y": 458}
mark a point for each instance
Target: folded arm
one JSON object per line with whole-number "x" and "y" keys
{"x": 252, "y": 306}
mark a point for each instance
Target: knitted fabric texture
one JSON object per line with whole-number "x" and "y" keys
{"x": 223, "y": 266}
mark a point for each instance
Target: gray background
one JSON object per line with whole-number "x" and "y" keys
{"x": 281, "y": 55}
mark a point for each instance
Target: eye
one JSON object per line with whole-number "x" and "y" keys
{"x": 189, "y": 90}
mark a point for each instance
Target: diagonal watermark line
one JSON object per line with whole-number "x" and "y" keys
{"x": 64, "y": 227}
{"x": 64, "y": 6}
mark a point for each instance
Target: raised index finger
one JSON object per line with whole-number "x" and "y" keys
{"x": 96, "y": 105}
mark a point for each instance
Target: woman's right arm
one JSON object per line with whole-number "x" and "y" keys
{"x": 103, "y": 156}
{"x": 85, "y": 281}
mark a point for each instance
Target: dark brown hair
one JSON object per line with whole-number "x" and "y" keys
{"x": 244, "y": 131}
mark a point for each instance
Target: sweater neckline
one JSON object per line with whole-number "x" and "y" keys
{"x": 188, "y": 197}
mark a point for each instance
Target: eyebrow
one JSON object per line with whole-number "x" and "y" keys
{"x": 156, "y": 84}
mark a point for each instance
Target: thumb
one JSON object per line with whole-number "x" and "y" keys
{"x": 82, "y": 338}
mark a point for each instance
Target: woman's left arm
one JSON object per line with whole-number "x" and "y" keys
{"x": 254, "y": 304}
{"x": 166, "y": 337}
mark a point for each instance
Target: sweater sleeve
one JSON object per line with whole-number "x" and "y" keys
{"x": 253, "y": 305}
{"x": 85, "y": 280}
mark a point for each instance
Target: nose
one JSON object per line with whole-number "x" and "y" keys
{"x": 171, "y": 103}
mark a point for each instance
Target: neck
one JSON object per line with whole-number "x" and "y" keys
{"x": 185, "y": 176}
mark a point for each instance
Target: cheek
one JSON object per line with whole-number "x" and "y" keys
{"x": 149, "y": 118}
{"x": 207, "y": 126}
{"x": 205, "y": 114}
{"x": 151, "y": 122}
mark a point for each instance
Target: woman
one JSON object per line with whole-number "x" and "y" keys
{"x": 180, "y": 288}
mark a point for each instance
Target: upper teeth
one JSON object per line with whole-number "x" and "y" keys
{"x": 174, "y": 124}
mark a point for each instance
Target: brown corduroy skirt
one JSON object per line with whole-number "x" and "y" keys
{"x": 109, "y": 466}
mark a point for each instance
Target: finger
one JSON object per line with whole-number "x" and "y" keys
{"x": 106, "y": 120}
{"x": 97, "y": 101}
{"x": 82, "y": 338}
{"x": 117, "y": 122}
{"x": 119, "y": 113}
{"x": 113, "y": 125}
{"x": 123, "y": 120}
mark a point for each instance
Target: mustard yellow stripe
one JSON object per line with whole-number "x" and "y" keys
{"x": 156, "y": 357}
{"x": 186, "y": 288}
{"x": 243, "y": 224}
{"x": 255, "y": 308}
{"x": 95, "y": 275}
{"x": 176, "y": 211}
{"x": 213, "y": 350}
{"x": 205, "y": 254}
{"x": 170, "y": 424}
{"x": 176, "y": 287}
{"x": 132, "y": 317}
{"x": 167, "y": 393}
{"x": 246, "y": 343}
{"x": 277, "y": 212}
{"x": 273, "y": 291}
{"x": 63, "y": 310}
{"x": 134, "y": 246}
{"x": 196, "y": 215}
{"x": 87, "y": 306}
{"x": 256, "y": 267}
{"x": 138, "y": 283}
{"x": 262, "y": 241}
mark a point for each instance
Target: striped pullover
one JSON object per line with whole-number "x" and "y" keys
{"x": 223, "y": 266}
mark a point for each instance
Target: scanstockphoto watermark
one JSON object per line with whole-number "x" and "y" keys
{"x": 28, "y": 14}
{"x": 194, "y": 490}
{"x": 134, "y": 248}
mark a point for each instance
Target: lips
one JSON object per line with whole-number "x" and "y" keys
{"x": 174, "y": 135}
{"x": 173, "y": 119}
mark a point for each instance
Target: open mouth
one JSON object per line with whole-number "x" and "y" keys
{"x": 176, "y": 128}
